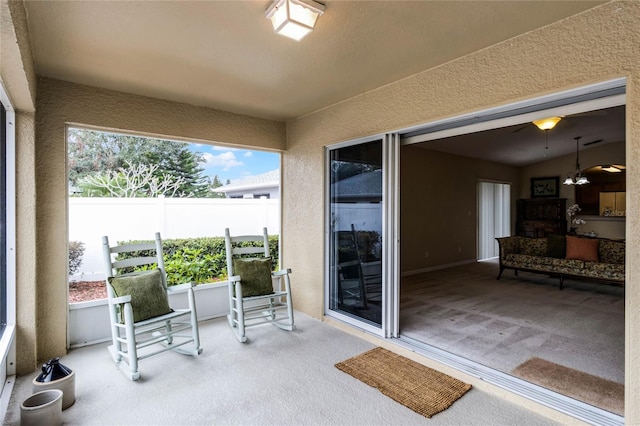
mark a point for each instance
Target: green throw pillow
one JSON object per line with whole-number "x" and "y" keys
{"x": 148, "y": 294}
{"x": 556, "y": 246}
{"x": 255, "y": 276}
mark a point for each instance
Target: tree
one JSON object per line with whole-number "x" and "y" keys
{"x": 107, "y": 157}
{"x": 215, "y": 183}
{"x": 133, "y": 181}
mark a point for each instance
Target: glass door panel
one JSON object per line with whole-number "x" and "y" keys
{"x": 356, "y": 229}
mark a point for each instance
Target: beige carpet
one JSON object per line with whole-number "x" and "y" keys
{"x": 591, "y": 389}
{"x": 418, "y": 387}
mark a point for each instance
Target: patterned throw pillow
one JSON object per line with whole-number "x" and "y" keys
{"x": 148, "y": 294}
{"x": 255, "y": 276}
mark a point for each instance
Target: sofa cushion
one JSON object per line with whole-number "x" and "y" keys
{"x": 557, "y": 246}
{"x": 533, "y": 246}
{"x": 611, "y": 251}
{"x": 582, "y": 249}
{"x": 610, "y": 271}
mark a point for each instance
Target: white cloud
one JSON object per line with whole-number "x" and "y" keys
{"x": 248, "y": 154}
{"x": 223, "y": 148}
{"x": 226, "y": 160}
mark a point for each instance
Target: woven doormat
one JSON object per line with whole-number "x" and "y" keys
{"x": 585, "y": 387}
{"x": 420, "y": 388}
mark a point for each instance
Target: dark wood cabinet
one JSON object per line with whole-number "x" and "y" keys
{"x": 539, "y": 217}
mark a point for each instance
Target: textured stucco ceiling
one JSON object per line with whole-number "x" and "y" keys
{"x": 224, "y": 54}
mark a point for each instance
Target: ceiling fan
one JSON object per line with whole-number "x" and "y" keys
{"x": 600, "y": 112}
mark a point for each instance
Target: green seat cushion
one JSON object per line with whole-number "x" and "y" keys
{"x": 556, "y": 246}
{"x": 255, "y": 276}
{"x": 148, "y": 294}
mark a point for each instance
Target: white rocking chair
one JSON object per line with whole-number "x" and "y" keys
{"x": 253, "y": 300}
{"x": 142, "y": 323}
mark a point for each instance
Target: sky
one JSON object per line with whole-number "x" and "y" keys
{"x": 233, "y": 163}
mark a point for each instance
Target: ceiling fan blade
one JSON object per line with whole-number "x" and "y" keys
{"x": 521, "y": 128}
{"x": 593, "y": 142}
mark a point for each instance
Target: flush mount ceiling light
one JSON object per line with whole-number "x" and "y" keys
{"x": 577, "y": 178}
{"x": 547, "y": 123}
{"x": 294, "y": 18}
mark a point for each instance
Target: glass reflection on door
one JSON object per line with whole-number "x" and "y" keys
{"x": 355, "y": 287}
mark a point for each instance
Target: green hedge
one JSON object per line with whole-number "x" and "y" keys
{"x": 199, "y": 260}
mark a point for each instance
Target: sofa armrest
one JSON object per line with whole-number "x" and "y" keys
{"x": 508, "y": 245}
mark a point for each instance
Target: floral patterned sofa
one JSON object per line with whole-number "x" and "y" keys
{"x": 593, "y": 259}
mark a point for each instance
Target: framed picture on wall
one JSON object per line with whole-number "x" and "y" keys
{"x": 545, "y": 187}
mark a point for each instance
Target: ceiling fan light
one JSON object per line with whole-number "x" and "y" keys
{"x": 568, "y": 181}
{"x": 547, "y": 123}
{"x": 611, "y": 169}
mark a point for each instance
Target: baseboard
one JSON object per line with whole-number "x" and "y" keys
{"x": 436, "y": 268}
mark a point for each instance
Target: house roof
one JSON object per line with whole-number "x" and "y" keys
{"x": 265, "y": 180}
{"x": 362, "y": 186}
{"x": 225, "y": 55}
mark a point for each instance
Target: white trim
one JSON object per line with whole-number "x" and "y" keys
{"x": 7, "y": 342}
{"x": 532, "y": 109}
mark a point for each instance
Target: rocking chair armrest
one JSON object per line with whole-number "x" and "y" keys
{"x": 281, "y": 272}
{"x": 122, "y": 299}
{"x": 179, "y": 287}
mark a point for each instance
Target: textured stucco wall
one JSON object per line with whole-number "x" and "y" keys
{"x": 26, "y": 300}
{"x": 19, "y": 79}
{"x": 60, "y": 103}
{"x": 16, "y": 67}
{"x": 597, "y": 45}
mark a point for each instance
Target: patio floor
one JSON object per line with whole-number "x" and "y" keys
{"x": 278, "y": 377}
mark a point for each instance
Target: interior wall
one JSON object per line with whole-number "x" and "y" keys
{"x": 438, "y": 204}
{"x": 600, "y": 44}
{"x": 611, "y": 153}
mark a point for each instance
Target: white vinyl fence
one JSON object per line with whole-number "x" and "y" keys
{"x": 123, "y": 219}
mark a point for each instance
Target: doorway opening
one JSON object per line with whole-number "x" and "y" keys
{"x": 453, "y": 308}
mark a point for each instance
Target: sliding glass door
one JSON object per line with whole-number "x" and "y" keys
{"x": 359, "y": 223}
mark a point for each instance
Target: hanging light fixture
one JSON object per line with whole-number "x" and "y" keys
{"x": 547, "y": 123}
{"x": 294, "y": 18}
{"x": 577, "y": 178}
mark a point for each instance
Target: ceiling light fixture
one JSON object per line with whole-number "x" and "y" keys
{"x": 294, "y": 18}
{"x": 611, "y": 168}
{"x": 547, "y": 123}
{"x": 577, "y": 178}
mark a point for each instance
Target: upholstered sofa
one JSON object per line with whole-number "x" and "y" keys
{"x": 592, "y": 259}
